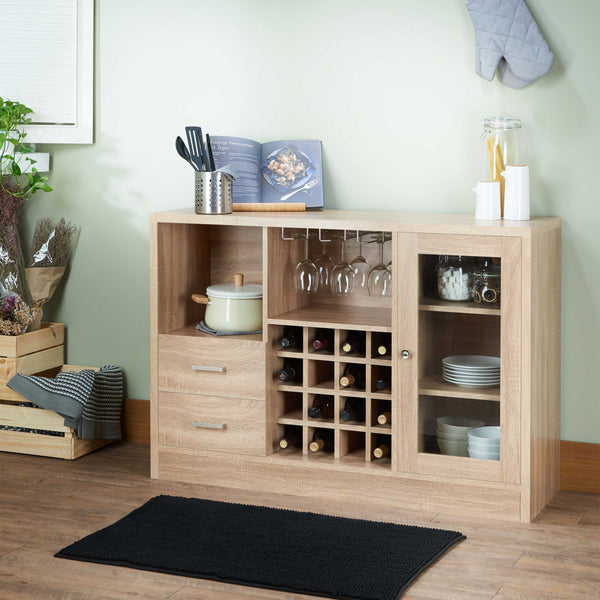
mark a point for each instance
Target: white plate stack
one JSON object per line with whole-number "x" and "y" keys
{"x": 484, "y": 442}
{"x": 471, "y": 371}
{"x": 452, "y": 434}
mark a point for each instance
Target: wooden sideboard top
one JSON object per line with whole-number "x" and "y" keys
{"x": 372, "y": 220}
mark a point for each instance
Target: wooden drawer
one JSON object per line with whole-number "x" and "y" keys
{"x": 232, "y": 425}
{"x": 214, "y": 366}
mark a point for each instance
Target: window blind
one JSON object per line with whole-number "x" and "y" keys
{"x": 46, "y": 62}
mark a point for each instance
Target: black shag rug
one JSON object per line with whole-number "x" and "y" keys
{"x": 269, "y": 548}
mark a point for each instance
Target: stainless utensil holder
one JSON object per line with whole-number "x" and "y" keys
{"x": 213, "y": 193}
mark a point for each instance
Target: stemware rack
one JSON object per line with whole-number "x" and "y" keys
{"x": 219, "y": 409}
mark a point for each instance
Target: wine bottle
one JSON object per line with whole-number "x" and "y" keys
{"x": 322, "y": 408}
{"x": 382, "y": 383}
{"x": 354, "y": 376}
{"x": 384, "y": 418}
{"x": 383, "y": 349}
{"x": 355, "y": 343}
{"x": 290, "y": 438}
{"x": 382, "y": 446}
{"x": 354, "y": 410}
{"x": 323, "y": 340}
{"x": 322, "y": 441}
{"x": 291, "y": 372}
{"x": 292, "y": 338}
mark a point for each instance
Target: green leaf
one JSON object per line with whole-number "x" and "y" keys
{"x": 16, "y": 170}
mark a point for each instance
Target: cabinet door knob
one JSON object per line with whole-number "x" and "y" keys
{"x": 209, "y": 425}
{"x": 208, "y": 368}
{"x": 405, "y": 354}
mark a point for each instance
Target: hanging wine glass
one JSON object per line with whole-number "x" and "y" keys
{"x": 380, "y": 277}
{"x": 342, "y": 276}
{"x": 324, "y": 266}
{"x": 306, "y": 275}
{"x": 360, "y": 266}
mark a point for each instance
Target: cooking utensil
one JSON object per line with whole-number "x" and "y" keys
{"x": 306, "y": 186}
{"x": 209, "y": 152}
{"x": 194, "y": 138}
{"x": 232, "y": 307}
{"x": 183, "y": 151}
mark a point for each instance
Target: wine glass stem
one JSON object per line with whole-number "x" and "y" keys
{"x": 306, "y": 248}
{"x": 343, "y": 250}
{"x": 381, "y": 250}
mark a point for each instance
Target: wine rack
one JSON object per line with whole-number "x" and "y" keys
{"x": 220, "y": 407}
{"x": 318, "y": 374}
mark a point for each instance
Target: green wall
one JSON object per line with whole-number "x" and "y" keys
{"x": 390, "y": 88}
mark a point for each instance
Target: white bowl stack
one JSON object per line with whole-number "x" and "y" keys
{"x": 471, "y": 371}
{"x": 484, "y": 442}
{"x": 452, "y": 434}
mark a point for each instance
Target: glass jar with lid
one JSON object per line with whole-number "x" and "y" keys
{"x": 454, "y": 278}
{"x": 486, "y": 286}
{"x": 502, "y": 147}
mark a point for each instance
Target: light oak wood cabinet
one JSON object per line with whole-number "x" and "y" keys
{"x": 219, "y": 408}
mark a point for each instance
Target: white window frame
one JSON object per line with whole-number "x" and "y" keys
{"x": 82, "y": 131}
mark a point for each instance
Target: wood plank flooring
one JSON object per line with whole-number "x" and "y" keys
{"x": 47, "y": 503}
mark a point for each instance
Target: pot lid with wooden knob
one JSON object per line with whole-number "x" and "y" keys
{"x": 237, "y": 289}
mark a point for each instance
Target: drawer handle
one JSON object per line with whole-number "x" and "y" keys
{"x": 209, "y": 425}
{"x": 207, "y": 368}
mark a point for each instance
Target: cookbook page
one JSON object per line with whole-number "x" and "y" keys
{"x": 292, "y": 171}
{"x": 241, "y": 158}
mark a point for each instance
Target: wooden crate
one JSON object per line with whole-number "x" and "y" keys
{"x": 39, "y": 352}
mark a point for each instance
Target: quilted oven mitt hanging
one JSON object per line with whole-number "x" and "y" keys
{"x": 507, "y": 38}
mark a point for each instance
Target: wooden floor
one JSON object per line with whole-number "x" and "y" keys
{"x": 46, "y": 504}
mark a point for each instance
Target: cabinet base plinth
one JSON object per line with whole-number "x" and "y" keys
{"x": 380, "y": 488}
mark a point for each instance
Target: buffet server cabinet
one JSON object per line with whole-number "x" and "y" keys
{"x": 220, "y": 409}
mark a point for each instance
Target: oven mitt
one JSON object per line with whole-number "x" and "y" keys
{"x": 507, "y": 38}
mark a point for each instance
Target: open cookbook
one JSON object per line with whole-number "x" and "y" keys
{"x": 285, "y": 171}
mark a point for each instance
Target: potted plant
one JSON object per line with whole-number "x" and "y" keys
{"x": 19, "y": 180}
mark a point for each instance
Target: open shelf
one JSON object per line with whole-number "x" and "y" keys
{"x": 345, "y": 317}
{"x": 436, "y": 386}
{"x": 436, "y": 305}
{"x": 191, "y": 331}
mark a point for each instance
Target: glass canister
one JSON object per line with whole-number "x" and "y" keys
{"x": 454, "y": 278}
{"x": 501, "y": 137}
{"x": 486, "y": 286}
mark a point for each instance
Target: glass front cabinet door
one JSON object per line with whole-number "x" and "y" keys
{"x": 459, "y": 340}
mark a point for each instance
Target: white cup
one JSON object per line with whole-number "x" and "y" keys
{"x": 516, "y": 193}
{"x": 487, "y": 200}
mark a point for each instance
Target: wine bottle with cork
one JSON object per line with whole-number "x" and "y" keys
{"x": 384, "y": 418}
{"x": 383, "y": 383}
{"x": 382, "y": 446}
{"x": 322, "y": 408}
{"x": 291, "y": 372}
{"x": 322, "y": 441}
{"x": 355, "y": 343}
{"x": 292, "y": 438}
{"x": 354, "y": 376}
{"x": 292, "y": 338}
{"x": 383, "y": 346}
{"x": 323, "y": 340}
{"x": 354, "y": 410}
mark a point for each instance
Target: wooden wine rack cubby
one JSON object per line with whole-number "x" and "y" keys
{"x": 354, "y": 441}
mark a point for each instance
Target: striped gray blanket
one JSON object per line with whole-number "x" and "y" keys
{"x": 90, "y": 401}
